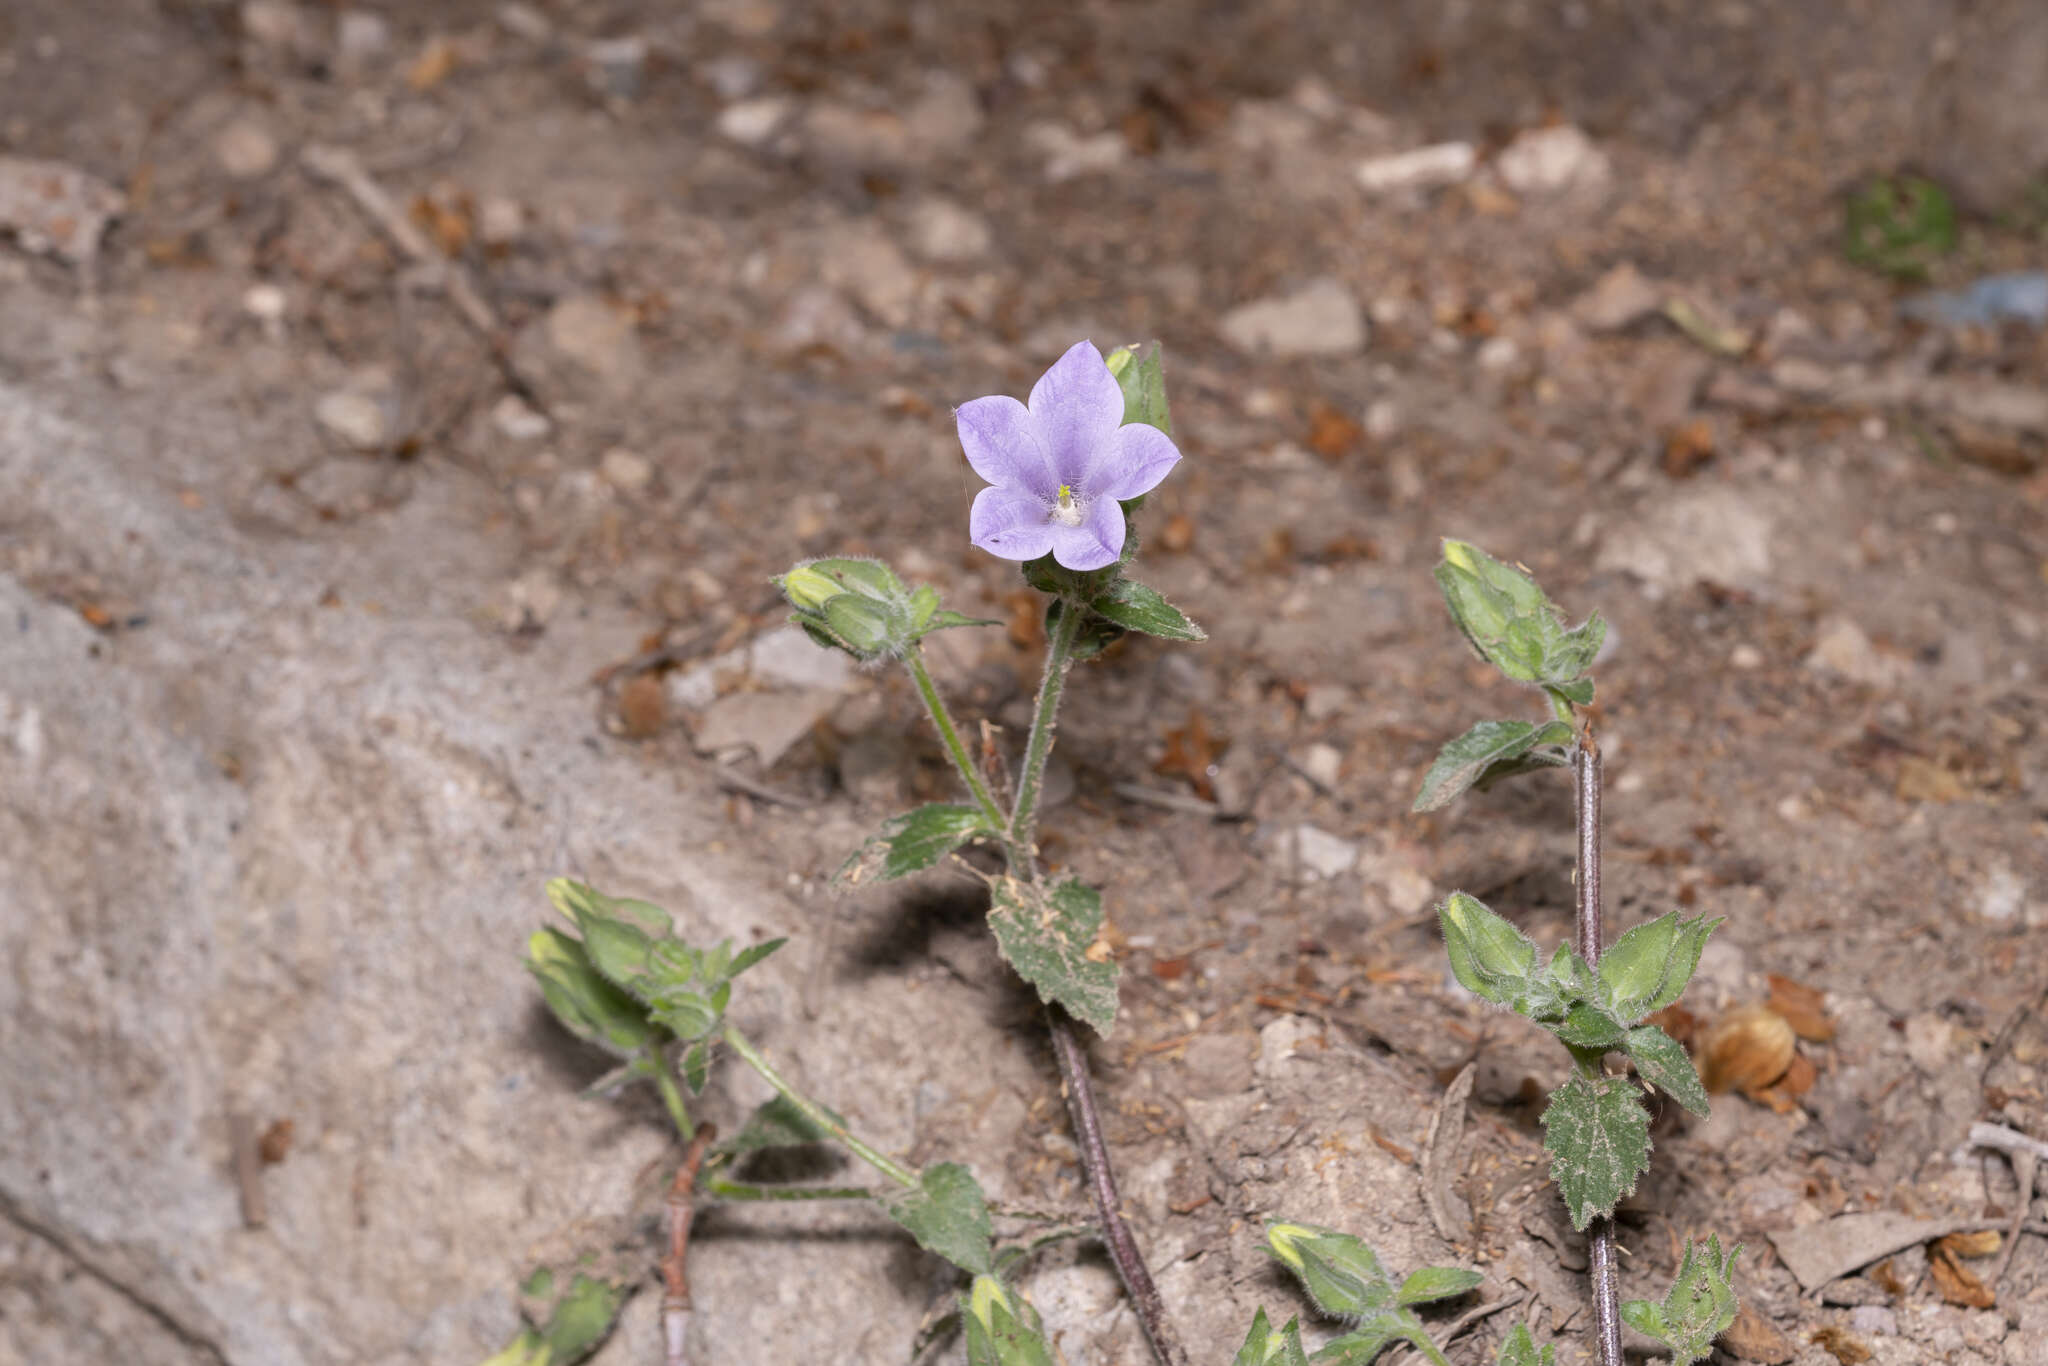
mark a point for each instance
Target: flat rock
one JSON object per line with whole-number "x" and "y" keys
{"x": 767, "y": 723}
{"x": 1322, "y": 318}
{"x": 1711, "y": 533}
{"x": 1821, "y": 1252}
{"x": 1619, "y": 299}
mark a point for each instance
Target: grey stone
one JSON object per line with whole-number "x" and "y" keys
{"x": 1618, "y": 299}
{"x": 1322, "y": 318}
{"x": 1708, "y": 533}
{"x": 1420, "y": 168}
{"x": 1548, "y": 161}
{"x": 943, "y": 230}
{"x": 245, "y": 149}
{"x": 355, "y": 419}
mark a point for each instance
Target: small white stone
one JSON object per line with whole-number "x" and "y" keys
{"x": 625, "y": 470}
{"x": 1323, "y": 764}
{"x": 1068, "y": 155}
{"x": 266, "y": 303}
{"x": 1382, "y": 418}
{"x": 1552, "y": 160}
{"x": 752, "y": 122}
{"x": 517, "y": 420}
{"x": 245, "y": 149}
{"x": 941, "y": 230}
{"x": 1793, "y": 809}
{"x": 500, "y": 221}
{"x": 2002, "y": 894}
{"x": 526, "y": 22}
{"x": 1746, "y": 656}
{"x": 355, "y": 419}
{"x": 1498, "y": 354}
{"x": 1319, "y": 319}
{"x": 1315, "y": 851}
{"x": 1423, "y": 168}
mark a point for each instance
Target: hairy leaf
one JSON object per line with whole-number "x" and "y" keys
{"x": 1135, "y": 607}
{"x": 1489, "y": 956}
{"x": 914, "y": 841}
{"x": 1666, "y": 1065}
{"x": 1436, "y": 1283}
{"x": 1519, "y": 1349}
{"x": 1648, "y": 967}
{"x": 1266, "y": 1346}
{"x": 1047, "y": 935}
{"x": 1598, "y": 1134}
{"x": 948, "y": 1215}
{"x": 1481, "y": 751}
{"x": 777, "y": 1124}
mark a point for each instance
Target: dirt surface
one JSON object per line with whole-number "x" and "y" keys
{"x": 692, "y": 311}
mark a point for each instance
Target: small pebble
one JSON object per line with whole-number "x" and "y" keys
{"x": 1746, "y": 656}
{"x": 354, "y": 419}
{"x": 516, "y": 419}
{"x": 752, "y": 122}
{"x": 625, "y": 470}
{"x": 245, "y": 149}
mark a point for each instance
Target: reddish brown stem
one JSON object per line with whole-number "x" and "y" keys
{"x": 1116, "y": 1234}
{"x": 1589, "y": 935}
{"x": 675, "y": 1299}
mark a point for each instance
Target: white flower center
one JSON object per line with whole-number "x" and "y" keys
{"x": 1067, "y": 511}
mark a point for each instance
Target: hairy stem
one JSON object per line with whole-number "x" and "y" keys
{"x": 676, "y": 1310}
{"x": 1116, "y": 1234}
{"x": 949, "y": 735}
{"x": 672, "y": 1099}
{"x": 1059, "y": 653}
{"x": 1589, "y": 937}
{"x": 747, "y": 1190}
{"x": 816, "y": 1113}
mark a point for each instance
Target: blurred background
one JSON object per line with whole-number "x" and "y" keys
{"x": 403, "y": 406}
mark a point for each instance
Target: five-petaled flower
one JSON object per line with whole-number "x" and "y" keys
{"x": 1057, "y": 467}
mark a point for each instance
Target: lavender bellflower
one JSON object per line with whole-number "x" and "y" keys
{"x": 1057, "y": 466}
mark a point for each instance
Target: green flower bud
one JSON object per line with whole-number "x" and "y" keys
{"x": 1342, "y": 1275}
{"x": 587, "y": 1005}
{"x": 1489, "y": 956}
{"x": 807, "y": 589}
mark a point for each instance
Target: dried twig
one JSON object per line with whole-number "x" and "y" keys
{"x": 2025, "y": 1153}
{"x": 675, "y": 1300}
{"x": 248, "y": 1160}
{"x": 1168, "y": 801}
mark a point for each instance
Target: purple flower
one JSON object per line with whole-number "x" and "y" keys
{"x": 1057, "y": 467}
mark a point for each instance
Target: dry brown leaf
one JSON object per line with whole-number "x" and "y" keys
{"x": 275, "y": 1143}
{"x": 1886, "y": 1277}
{"x": 1982, "y": 1243}
{"x": 1178, "y": 533}
{"x": 1747, "y": 1049}
{"x": 1958, "y": 1284}
{"x": 1331, "y": 434}
{"x": 1924, "y": 780}
{"x": 1803, "y": 1008}
{"x": 1753, "y": 1338}
{"x": 1783, "y": 1095}
{"x": 1841, "y": 1344}
{"x": 432, "y": 66}
{"x": 1191, "y": 752}
{"x": 643, "y": 706}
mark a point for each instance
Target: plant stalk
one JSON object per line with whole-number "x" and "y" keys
{"x": 676, "y": 1310}
{"x": 949, "y": 735}
{"x": 816, "y": 1113}
{"x": 1590, "y": 936}
{"x": 1067, "y": 1048}
{"x": 1116, "y": 1234}
{"x": 672, "y": 1100}
{"x": 747, "y": 1190}
{"x": 1059, "y": 651}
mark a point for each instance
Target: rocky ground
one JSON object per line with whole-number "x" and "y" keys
{"x": 376, "y": 379}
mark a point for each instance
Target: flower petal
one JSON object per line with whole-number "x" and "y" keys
{"x": 1004, "y": 444}
{"x": 1096, "y": 543}
{"x": 1010, "y": 523}
{"x": 1077, "y": 406}
{"x": 1134, "y": 460}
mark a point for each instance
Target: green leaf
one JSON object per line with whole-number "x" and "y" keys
{"x": 914, "y": 841}
{"x": 777, "y": 1124}
{"x": 687, "y": 1014}
{"x": 1143, "y": 380}
{"x": 1343, "y": 1276}
{"x": 1666, "y": 1065}
{"x": 946, "y": 618}
{"x": 1587, "y": 1025}
{"x": 1046, "y": 935}
{"x": 751, "y": 955}
{"x": 1362, "y": 1343}
{"x": 1490, "y": 745}
{"x": 1489, "y": 957}
{"x": 1134, "y": 607}
{"x": 948, "y": 1215}
{"x": 586, "y": 1004}
{"x": 1700, "y": 1306}
{"x": 583, "y": 1319}
{"x": 1436, "y": 1283}
{"x": 1598, "y": 1134}
{"x": 697, "y": 1067}
{"x": 1899, "y": 225}
{"x": 1645, "y": 1317}
{"x": 1578, "y": 692}
{"x": 1519, "y": 1349}
{"x": 1265, "y": 1347}
{"x": 1648, "y": 967}
{"x": 1002, "y": 1328}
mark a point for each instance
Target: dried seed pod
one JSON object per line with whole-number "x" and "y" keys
{"x": 1747, "y": 1049}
